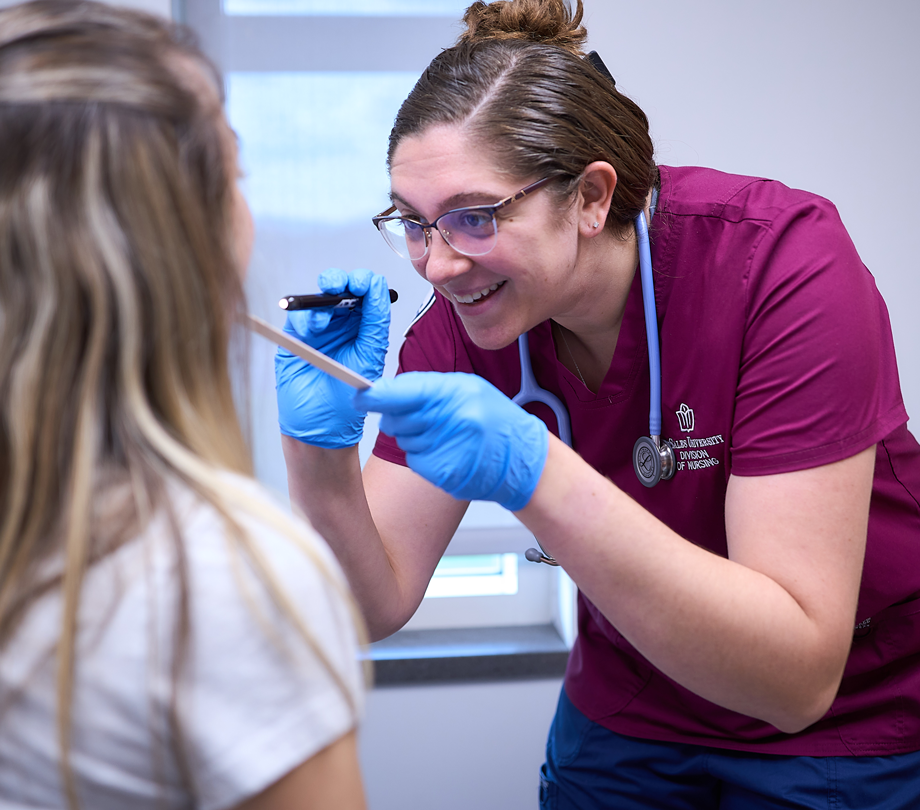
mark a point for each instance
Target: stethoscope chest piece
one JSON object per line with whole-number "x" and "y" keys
{"x": 652, "y": 461}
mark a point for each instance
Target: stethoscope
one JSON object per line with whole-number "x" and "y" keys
{"x": 653, "y": 460}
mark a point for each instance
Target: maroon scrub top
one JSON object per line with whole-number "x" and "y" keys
{"x": 776, "y": 355}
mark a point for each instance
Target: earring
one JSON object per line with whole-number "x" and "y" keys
{"x": 596, "y": 225}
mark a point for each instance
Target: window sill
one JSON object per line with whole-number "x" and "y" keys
{"x": 467, "y": 655}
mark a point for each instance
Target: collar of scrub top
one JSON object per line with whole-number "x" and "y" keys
{"x": 648, "y": 449}
{"x": 531, "y": 392}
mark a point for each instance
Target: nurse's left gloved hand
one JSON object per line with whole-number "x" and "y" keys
{"x": 312, "y": 406}
{"x": 462, "y": 434}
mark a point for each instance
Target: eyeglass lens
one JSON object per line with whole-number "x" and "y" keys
{"x": 468, "y": 231}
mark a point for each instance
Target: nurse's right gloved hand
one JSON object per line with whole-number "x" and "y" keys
{"x": 462, "y": 434}
{"x": 312, "y": 406}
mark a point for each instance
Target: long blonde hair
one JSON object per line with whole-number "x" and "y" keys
{"x": 119, "y": 292}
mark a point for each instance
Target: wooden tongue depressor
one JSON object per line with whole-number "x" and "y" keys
{"x": 308, "y": 353}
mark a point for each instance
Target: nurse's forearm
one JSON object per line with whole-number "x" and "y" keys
{"x": 723, "y": 630}
{"x": 327, "y": 486}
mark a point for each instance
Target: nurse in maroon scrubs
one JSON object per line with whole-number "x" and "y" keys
{"x": 749, "y": 629}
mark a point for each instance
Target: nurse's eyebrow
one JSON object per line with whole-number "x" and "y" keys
{"x": 455, "y": 200}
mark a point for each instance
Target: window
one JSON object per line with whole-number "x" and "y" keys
{"x": 312, "y": 145}
{"x": 312, "y": 93}
{"x": 475, "y": 575}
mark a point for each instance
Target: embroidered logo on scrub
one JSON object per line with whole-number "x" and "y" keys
{"x": 686, "y": 418}
{"x": 692, "y": 454}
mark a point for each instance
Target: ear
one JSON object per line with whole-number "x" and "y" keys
{"x": 598, "y": 182}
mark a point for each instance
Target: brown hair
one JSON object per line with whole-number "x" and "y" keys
{"x": 119, "y": 292}
{"x": 517, "y": 82}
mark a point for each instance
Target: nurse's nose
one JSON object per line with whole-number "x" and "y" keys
{"x": 442, "y": 263}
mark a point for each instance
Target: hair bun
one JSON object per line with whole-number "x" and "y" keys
{"x": 551, "y": 22}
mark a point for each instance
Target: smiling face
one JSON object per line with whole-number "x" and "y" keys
{"x": 531, "y": 273}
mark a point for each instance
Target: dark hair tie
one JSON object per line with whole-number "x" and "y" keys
{"x": 598, "y": 64}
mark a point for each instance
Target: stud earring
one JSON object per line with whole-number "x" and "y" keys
{"x": 596, "y": 225}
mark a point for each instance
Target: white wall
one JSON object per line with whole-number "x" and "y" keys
{"x": 821, "y": 94}
{"x": 463, "y": 747}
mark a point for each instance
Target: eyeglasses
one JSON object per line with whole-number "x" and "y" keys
{"x": 471, "y": 231}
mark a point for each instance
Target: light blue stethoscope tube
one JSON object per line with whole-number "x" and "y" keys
{"x": 652, "y": 460}
{"x": 531, "y": 392}
{"x": 651, "y": 325}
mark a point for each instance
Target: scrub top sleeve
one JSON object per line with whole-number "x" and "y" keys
{"x": 818, "y": 380}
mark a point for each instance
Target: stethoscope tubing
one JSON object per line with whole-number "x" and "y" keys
{"x": 532, "y": 392}
{"x": 651, "y": 326}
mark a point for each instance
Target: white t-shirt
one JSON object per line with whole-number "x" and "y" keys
{"x": 254, "y": 701}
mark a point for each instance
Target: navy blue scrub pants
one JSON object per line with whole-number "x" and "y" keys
{"x": 589, "y": 767}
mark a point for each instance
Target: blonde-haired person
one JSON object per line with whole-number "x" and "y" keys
{"x": 169, "y": 637}
{"x": 749, "y": 629}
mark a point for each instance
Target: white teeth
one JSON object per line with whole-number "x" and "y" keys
{"x": 468, "y": 299}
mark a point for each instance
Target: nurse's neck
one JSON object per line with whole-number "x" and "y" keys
{"x": 586, "y": 340}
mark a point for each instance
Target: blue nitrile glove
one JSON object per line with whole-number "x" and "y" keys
{"x": 312, "y": 406}
{"x": 462, "y": 434}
